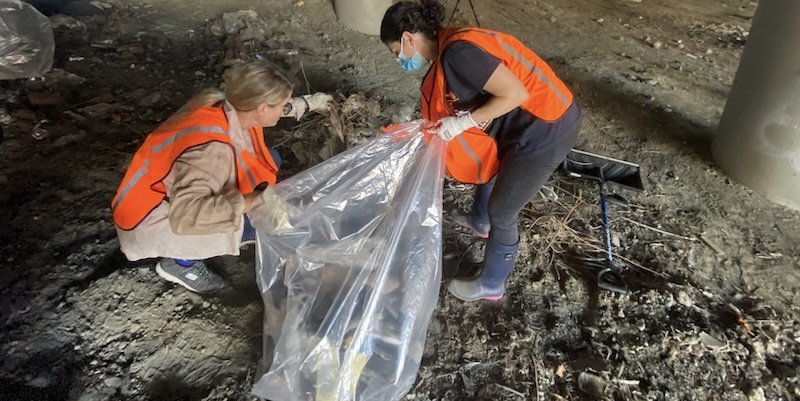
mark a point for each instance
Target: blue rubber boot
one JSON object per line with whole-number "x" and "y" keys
{"x": 478, "y": 218}
{"x": 491, "y": 283}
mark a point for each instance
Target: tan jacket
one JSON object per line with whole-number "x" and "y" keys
{"x": 204, "y": 215}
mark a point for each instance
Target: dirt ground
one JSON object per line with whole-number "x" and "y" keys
{"x": 713, "y": 314}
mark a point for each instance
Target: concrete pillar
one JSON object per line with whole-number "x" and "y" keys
{"x": 758, "y": 140}
{"x": 362, "y": 15}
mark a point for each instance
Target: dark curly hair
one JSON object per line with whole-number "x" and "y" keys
{"x": 425, "y": 16}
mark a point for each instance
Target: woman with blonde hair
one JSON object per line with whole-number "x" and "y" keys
{"x": 187, "y": 189}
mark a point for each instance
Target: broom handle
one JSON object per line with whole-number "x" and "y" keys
{"x": 606, "y": 224}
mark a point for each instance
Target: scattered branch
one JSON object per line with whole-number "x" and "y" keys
{"x": 510, "y": 390}
{"x": 303, "y": 70}
{"x": 711, "y": 245}
{"x": 658, "y": 230}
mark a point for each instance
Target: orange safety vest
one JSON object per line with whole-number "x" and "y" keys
{"x": 142, "y": 189}
{"x": 472, "y": 157}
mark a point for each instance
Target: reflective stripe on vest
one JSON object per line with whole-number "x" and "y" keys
{"x": 169, "y": 141}
{"x": 474, "y": 158}
{"x": 530, "y": 66}
{"x": 156, "y": 149}
{"x": 136, "y": 177}
{"x": 247, "y": 172}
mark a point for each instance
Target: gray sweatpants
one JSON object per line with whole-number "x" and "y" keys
{"x": 521, "y": 176}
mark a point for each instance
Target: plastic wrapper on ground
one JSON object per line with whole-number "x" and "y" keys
{"x": 349, "y": 260}
{"x": 26, "y": 41}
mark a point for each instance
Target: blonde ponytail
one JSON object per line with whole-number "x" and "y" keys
{"x": 205, "y": 98}
{"x": 246, "y": 86}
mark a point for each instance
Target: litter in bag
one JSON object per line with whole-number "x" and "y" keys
{"x": 349, "y": 256}
{"x": 26, "y": 41}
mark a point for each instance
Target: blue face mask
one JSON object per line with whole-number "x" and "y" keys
{"x": 410, "y": 64}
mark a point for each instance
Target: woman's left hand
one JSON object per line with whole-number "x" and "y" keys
{"x": 250, "y": 199}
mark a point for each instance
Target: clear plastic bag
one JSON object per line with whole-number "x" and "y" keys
{"x": 26, "y": 41}
{"x": 348, "y": 265}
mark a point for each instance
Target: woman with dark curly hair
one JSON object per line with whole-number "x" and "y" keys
{"x": 509, "y": 120}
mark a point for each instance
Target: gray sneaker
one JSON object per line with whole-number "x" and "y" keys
{"x": 197, "y": 278}
{"x": 246, "y": 243}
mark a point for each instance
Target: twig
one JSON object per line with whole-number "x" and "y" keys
{"x": 303, "y": 70}
{"x": 711, "y": 245}
{"x": 283, "y": 142}
{"x": 390, "y": 82}
{"x": 419, "y": 384}
{"x": 450, "y": 375}
{"x": 536, "y": 379}
{"x": 625, "y": 382}
{"x": 564, "y": 222}
{"x": 92, "y": 100}
{"x": 658, "y": 230}
{"x": 286, "y": 50}
{"x": 647, "y": 269}
{"x": 310, "y": 122}
{"x": 554, "y": 265}
{"x": 510, "y": 390}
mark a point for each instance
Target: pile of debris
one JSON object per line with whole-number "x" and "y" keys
{"x": 351, "y": 121}
{"x": 245, "y": 36}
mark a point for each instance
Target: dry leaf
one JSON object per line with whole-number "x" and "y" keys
{"x": 560, "y": 370}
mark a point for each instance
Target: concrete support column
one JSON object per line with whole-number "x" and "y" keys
{"x": 758, "y": 140}
{"x": 362, "y": 15}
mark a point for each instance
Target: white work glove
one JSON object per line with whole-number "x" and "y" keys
{"x": 451, "y": 127}
{"x": 299, "y": 106}
{"x": 319, "y": 102}
{"x": 296, "y": 108}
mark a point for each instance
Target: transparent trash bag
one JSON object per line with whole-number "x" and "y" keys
{"x": 349, "y": 256}
{"x": 26, "y": 41}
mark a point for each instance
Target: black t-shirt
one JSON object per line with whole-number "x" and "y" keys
{"x": 467, "y": 68}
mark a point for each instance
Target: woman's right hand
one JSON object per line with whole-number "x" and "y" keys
{"x": 319, "y": 102}
{"x": 296, "y": 108}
